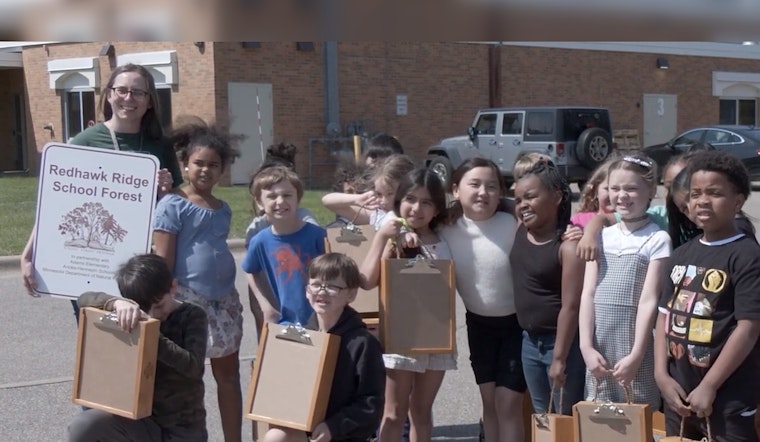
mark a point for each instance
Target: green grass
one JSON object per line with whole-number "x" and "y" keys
{"x": 18, "y": 198}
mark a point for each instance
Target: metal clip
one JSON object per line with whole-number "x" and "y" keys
{"x": 109, "y": 321}
{"x": 352, "y": 234}
{"x": 295, "y": 333}
{"x": 542, "y": 421}
{"x": 608, "y": 409}
{"x": 420, "y": 264}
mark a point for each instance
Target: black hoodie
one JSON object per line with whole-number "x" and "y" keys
{"x": 358, "y": 389}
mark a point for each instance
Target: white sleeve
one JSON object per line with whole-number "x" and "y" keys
{"x": 660, "y": 246}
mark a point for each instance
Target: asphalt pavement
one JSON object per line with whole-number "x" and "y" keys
{"x": 38, "y": 343}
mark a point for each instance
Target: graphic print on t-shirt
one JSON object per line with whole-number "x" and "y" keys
{"x": 689, "y": 318}
{"x": 289, "y": 262}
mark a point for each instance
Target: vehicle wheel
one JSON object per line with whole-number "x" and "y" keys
{"x": 442, "y": 167}
{"x": 594, "y": 146}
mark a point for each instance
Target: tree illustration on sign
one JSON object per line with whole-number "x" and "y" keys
{"x": 91, "y": 226}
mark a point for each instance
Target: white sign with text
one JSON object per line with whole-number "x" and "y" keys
{"x": 94, "y": 212}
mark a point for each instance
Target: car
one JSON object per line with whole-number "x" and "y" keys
{"x": 576, "y": 138}
{"x": 742, "y": 141}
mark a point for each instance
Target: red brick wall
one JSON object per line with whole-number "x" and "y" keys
{"x": 617, "y": 80}
{"x": 194, "y": 93}
{"x": 445, "y": 83}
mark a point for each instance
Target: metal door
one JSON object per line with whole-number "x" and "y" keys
{"x": 660, "y": 118}
{"x": 487, "y": 128}
{"x": 509, "y": 141}
{"x": 250, "y": 108}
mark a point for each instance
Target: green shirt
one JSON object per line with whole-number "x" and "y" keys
{"x": 100, "y": 136}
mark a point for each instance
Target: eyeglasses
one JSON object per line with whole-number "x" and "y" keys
{"x": 330, "y": 289}
{"x": 137, "y": 94}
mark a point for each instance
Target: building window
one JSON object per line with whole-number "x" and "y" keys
{"x": 165, "y": 106}
{"x": 736, "y": 111}
{"x": 78, "y": 111}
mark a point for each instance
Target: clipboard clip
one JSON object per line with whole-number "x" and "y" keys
{"x": 542, "y": 421}
{"x": 420, "y": 264}
{"x": 351, "y": 233}
{"x": 608, "y": 409}
{"x": 109, "y": 321}
{"x": 295, "y": 333}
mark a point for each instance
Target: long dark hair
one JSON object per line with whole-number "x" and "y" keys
{"x": 455, "y": 210}
{"x": 428, "y": 180}
{"x": 551, "y": 179}
{"x": 150, "y": 125}
{"x": 680, "y": 228}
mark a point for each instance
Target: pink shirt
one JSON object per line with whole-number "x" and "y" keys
{"x": 580, "y": 219}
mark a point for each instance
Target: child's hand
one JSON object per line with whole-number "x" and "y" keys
{"x": 572, "y": 233}
{"x": 625, "y": 369}
{"x": 391, "y": 228}
{"x": 674, "y": 396}
{"x": 321, "y": 433}
{"x": 409, "y": 240}
{"x": 128, "y": 314}
{"x": 164, "y": 181}
{"x": 701, "y": 399}
{"x": 596, "y": 364}
{"x": 271, "y": 315}
{"x": 557, "y": 373}
{"x": 588, "y": 248}
{"x": 367, "y": 200}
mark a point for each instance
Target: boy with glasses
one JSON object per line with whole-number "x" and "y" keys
{"x": 356, "y": 398}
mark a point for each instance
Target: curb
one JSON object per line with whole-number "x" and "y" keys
{"x": 8, "y": 263}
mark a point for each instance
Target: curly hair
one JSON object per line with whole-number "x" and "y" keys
{"x": 188, "y": 138}
{"x": 552, "y": 180}
{"x": 724, "y": 163}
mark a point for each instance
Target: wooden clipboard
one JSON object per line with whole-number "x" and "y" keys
{"x": 354, "y": 241}
{"x": 115, "y": 370}
{"x": 417, "y": 306}
{"x": 292, "y": 376}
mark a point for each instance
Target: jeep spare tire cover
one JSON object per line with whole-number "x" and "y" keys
{"x": 594, "y": 146}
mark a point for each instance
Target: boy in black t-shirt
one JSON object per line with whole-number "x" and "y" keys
{"x": 706, "y": 357}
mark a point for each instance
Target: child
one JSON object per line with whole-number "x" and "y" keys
{"x": 547, "y": 289}
{"x": 595, "y": 199}
{"x": 680, "y": 226}
{"x": 190, "y": 232}
{"x": 588, "y": 246}
{"x": 412, "y": 381}
{"x": 620, "y": 291}
{"x": 380, "y": 147}
{"x": 278, "y": 256}
{"x": 373, "y": 206}
{"x": 480, "y": 239}
{"x": 705, "y": 344}
{"x": 356, "y": 396}
{"x": 350, "y": 179}
{"x": 147, "y": 285}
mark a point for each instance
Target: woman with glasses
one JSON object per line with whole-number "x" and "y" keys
{"x": 130, "y": 107}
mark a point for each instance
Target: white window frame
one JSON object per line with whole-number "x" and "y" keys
{"x": 65, "y": 110}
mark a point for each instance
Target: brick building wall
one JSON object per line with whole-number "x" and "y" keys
{"x": 445, "y": 84}
{"x": 533, "y": 76}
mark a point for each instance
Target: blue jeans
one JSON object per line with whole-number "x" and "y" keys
{"x": 537, "y": 354}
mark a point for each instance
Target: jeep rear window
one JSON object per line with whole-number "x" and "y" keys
{"x": 539, "y": 123}
{"x": 576, "y": 121}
